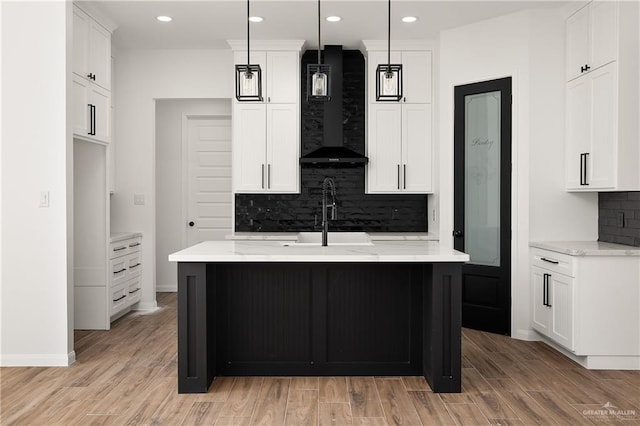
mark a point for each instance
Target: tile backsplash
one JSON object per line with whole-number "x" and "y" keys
{"x": 616, "y": 209}
{"x": 357, "y": 211}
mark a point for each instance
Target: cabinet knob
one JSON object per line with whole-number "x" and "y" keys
{"x": 191, "y": 223}
{"x": 458, "y": 234}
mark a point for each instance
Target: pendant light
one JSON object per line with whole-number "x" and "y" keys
{"x": 318, "y": 76}
{"x": 389, "y": 76}
{"x": 248, "y": 77}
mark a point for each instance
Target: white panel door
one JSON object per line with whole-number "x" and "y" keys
{"x": 80, "y": 42}
{"x": 416, "y": 148}
{"x": 80, "y": 114}
{"x": 249, "y": 147}
{"x": 577, "y": 43}
{"x": 282, "y": 77}
{"x": 384, "y": 147}
{"x": 602, "y": 161}
{"x": 416, "y": 68}
{"x": 604, "y": 31}
{"x": 282, "y": 173}
{"x": 540, "y": 312}
{"x": 99, "y": 55}
{"x": 578, "y": 131}
{"x": 101, "y": 100}
{"x": 561, "y": 301}
{"x": 209, "y": 197}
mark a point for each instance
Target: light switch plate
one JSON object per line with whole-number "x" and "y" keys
{"x": 44, "y": 198}
{"x": 138, "y": 199}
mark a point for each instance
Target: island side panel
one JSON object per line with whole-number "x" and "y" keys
{"x": 442, "y": 334}
{"x": 196, "y": 328}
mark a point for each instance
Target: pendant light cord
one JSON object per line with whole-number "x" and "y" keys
{"x": 319, "y": 32}
{"x": 389, "y": 37}
{"x": 248, "y": 22}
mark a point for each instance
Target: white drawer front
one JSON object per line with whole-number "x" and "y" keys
{"x": 554, "y": 262}
{"x": 119, "y": 296}
{"x": 119, "y": 270}
{"x": 133, "y": 265}
{"x": 134, "y": 244}
{"x": 118, "y": 249}
{"x": 133, "y": 291}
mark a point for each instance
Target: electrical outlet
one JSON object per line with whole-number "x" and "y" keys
{"x": 394, "y": 214}
{"x": 138, "y": 199}
{"x": 620, "y": 219}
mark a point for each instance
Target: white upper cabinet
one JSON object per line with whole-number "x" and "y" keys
{"x": 602, "y": 107}
{"x": 591, "y": 38}
{"x": 280, "y": 71}
{"x": 91, "y": 49}
{"x": 400, "y": 134}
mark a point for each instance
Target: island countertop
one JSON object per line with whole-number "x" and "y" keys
{"x": 281, "y": 251}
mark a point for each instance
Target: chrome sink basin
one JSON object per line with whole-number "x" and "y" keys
{"x": 333, "y": 239}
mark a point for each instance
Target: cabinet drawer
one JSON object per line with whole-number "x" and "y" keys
{"x": 119, "y": 269}
{"x": 118, "y": 295}
{"x": 133, "y": 265}
{"x": 133, "y": 291}
{"x": 554, "y": 262}
{"x": 134, "y": 244}
{"x": 118, "y": 249}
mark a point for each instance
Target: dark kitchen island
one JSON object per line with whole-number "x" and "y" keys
{"x": 273, "y": 308}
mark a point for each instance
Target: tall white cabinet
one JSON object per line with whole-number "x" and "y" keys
{"x": 602, "y": 132}
{"x": 400, "y": 134}
{"x": 266, "y": 134}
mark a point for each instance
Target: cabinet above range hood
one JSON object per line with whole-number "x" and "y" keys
{"x": 333, "y": 151}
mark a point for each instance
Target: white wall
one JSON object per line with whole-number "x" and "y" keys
{"x": 144, "y": 76}
{"x": 36, "y": 322}
{"x": 529, "y": 47}
{"x": 170, "y": 224}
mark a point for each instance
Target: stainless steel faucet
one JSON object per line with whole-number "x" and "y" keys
{"x": 328, "y": 188}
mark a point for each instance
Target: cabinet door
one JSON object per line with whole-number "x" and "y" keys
{"x": 257, "y": 57}
{"x": 101, "y": 99}
{"x": 249, "y": 147}
{"x": 561, "y": 301}
{"x": 99, "y": 55}
{"x": 384, "y": 147}
{"x": 603, "y": 34}
{"x": 578, "y": 131}
{"x": 577, "y": 32}
{"x": 417, "y": 145}
{"x": 416, "y": 68}
{"x": 80, "y": 42}
{"x": 80, "y": 114}
{"x": 602, "y": 169}
{"x": 282, "y": 148}
{"x": 375, "y": 58}
{"x": 539, "y": 311}
{"x": 283, "y": 77}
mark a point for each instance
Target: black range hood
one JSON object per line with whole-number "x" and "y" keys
{"x": 333, "y": 151}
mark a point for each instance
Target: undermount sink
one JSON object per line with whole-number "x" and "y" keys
{"x": 333, "y": 239}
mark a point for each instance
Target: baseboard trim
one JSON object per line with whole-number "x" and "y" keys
{"x": 528, "y": 335}
{"x": 146, "y": 307}
{"x": 37, "y": 360}
{"x": 167, "y": 289}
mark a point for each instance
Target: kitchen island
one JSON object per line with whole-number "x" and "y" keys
{"x": 281, "y": 308}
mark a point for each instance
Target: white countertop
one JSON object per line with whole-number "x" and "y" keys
{"x": 120, "y": 236}
{"x": 587, "y": 248}
{"x": 275, "y": 251}
{"x": 292, "y": 236}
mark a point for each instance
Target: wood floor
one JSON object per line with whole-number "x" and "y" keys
{"x": 128, "y": 376}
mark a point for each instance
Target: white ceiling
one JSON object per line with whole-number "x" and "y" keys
{"x": 207, "y": 24}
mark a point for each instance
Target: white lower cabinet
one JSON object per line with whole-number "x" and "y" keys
{"x": 588, "y": 305}
{"x": 125, "y": 269}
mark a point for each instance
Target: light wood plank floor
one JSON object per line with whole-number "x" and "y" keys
{"x": 128, "y": 376}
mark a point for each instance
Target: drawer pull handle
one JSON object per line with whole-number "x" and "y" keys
{"x": 137, "y": 289}
{"x": 555, "y": 262}
{"x": 135, "y": 266}
{"x": 121, "y": 270}
{"x": 120, "y": 298}
{"x": 134, "y": 245}
{"x": 119, "y": 248}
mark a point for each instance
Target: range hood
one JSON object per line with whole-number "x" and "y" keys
{"x": 333, "y": 150}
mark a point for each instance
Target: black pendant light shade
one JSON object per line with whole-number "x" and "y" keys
{"x": 318, "y": 76}
{"x": 248, "y": 77}
{"x": 389, "y": 76}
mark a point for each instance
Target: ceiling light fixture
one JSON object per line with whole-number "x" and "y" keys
{"x": 333, "y": 18}
{"x": 389, "y": 76}
{"x": 319, "y": 75}
{"x": 256, "y": 19}
{"x": 163, "y": 18}
{"x": 248, "y": 77}
{"x": 409, "y": 19}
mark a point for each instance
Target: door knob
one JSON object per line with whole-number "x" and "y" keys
{"x": 191, "y": 223}
{"x": 457, "y": 234}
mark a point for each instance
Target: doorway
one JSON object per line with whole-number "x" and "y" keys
{"x": 482, "y": 202}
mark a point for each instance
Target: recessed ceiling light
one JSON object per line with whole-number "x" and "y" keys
{"x": 162, "y": 18}
{"x": 333, "y": 18}
{"x": 409, "y": 19}
{"x": 256, "y": 19}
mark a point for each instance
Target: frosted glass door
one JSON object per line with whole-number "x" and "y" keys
{"x": 482, "y": 178}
